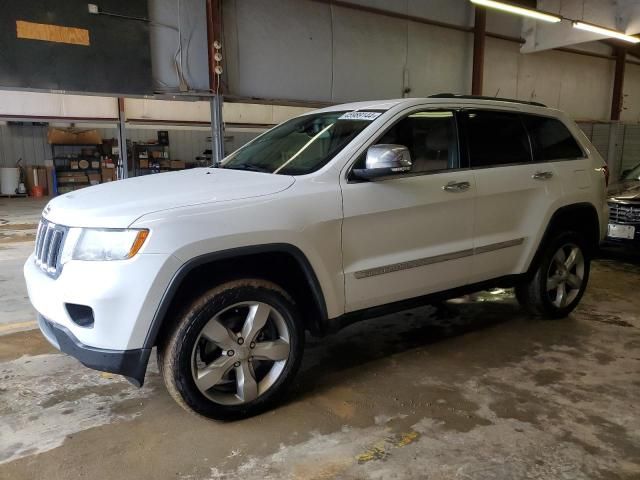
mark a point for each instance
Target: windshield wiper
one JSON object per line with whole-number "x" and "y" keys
{"x": 250, "y": 168}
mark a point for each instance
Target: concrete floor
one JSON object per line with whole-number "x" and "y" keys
{"x": 18, "y": 222}
{"x": 472, "y": 390}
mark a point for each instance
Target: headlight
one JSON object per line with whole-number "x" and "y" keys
{"x": 91, "y": 244}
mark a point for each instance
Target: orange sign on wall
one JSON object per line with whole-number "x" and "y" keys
{"x": 52, "y": 33}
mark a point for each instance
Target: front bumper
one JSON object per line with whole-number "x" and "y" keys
{"x": 132, "y": 364}
{"x": 123, "y": 296}
{"x": 625, "y": 242}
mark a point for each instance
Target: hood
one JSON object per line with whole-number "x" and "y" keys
{"x": 119, "y": 204}
{"x": 625, "y": 192}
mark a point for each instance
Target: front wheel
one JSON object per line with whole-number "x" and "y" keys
{"x": 560, "y": 279}
{"x": 234, "y": 351}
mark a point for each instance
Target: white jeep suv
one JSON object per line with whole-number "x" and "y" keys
{"x": 337, "y": 215}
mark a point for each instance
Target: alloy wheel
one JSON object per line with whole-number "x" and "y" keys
{"x": 566, "y": 275}
{"x": 240, "y": 353}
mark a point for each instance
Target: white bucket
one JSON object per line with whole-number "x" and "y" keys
{"x": 9, "y": 179}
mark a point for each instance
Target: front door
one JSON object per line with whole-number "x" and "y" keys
{"x": 410, "y": 234}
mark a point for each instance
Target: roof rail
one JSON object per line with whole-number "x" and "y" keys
{"x": 481, "y": 97}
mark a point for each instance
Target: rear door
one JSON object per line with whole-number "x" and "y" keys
{"x": 554, "y": 144}
{"x": 514, "y": 192}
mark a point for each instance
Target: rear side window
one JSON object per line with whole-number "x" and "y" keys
{"x": 551, "y": 139}
{"x": 496, "y": 138}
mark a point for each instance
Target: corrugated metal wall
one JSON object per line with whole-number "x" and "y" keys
{"x": 324, "y": 51}
{"x": 30, "y": 143}
{"x": 630, "y": 147}
{"x": 183, "y": 144}
{"x": 598, "y": 133}
{"x": 188, "y": 144}
{"x": 627, "y": 143}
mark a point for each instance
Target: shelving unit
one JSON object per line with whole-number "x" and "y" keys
{"x": 145, "y": 152}
{"x": 66, "y": 157}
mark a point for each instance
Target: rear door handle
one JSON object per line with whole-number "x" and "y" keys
{"x": 456, "y": 186}
{"x": 542, "y": 175}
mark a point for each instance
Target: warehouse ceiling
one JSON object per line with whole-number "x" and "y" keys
{"x": 620, "y": 15}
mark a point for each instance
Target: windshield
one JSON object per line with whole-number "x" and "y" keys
{"x": 301, "y": 145}
{"x": 633, "y": 174}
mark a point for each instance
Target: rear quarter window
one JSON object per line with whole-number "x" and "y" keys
{"x": 551, "y": 139}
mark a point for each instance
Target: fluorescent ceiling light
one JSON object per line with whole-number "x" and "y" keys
{"x": 605, "y": 31}
{"x": 526, "y": 12}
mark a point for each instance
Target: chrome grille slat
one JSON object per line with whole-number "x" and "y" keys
{"x": 625, "y": 214}
{"x": 49, "y": 242}
{"x": 44, "y": 251}
{"x": 52, "y": 254}
{"x": 40, "y": 238}
{"x": 45, "y": 244}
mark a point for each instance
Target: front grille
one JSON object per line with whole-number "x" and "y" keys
{"x": 49, "y": 242}
{"x": 623, "y": 213}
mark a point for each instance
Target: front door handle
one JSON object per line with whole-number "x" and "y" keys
{"x": 542, "y": 175}
{"x": 456, "y": 186}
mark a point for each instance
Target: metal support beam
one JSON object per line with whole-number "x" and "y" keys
{"x": 479, "y": 37}
{"x": 123, "y": 167}
{"x": 614, "y": 152}
{"x": 214, "y": 34}
{"x": 217, "y": 131}
{"x": 618, "y": 84}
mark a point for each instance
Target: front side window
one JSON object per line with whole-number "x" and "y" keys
{"x": 429, "y": 135}
{"x": 551, "y": 139}
{"x": 496, "y": 138}
{"x": 301, "y": 145}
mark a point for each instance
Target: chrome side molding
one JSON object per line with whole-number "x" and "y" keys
{"x": 421, "y": 262}
{"x": 497, "y": 246}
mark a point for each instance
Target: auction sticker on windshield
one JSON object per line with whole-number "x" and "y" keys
{"x": 360, "y": 116}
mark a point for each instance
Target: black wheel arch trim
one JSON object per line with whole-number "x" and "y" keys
{"x": 549, "y": 230}
{"x": 320, "y": 324}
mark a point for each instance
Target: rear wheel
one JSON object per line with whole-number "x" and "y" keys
{"x": 560, "y": 279}
{"x": 234, "y": 351}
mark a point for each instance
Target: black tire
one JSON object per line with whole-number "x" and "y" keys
{"x": 176, "y": 351}
{"x": 534, "y": 295}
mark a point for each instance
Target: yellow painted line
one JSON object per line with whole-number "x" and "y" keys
{"x": 382, "y": 448}
{"x": 18, "y": 326}
{"x": 52, "y": 33}
{"x": 407, "y": 438}
{"x": 375, "y": 452}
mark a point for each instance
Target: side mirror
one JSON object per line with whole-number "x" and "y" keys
{"x": 383, "y": 161}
